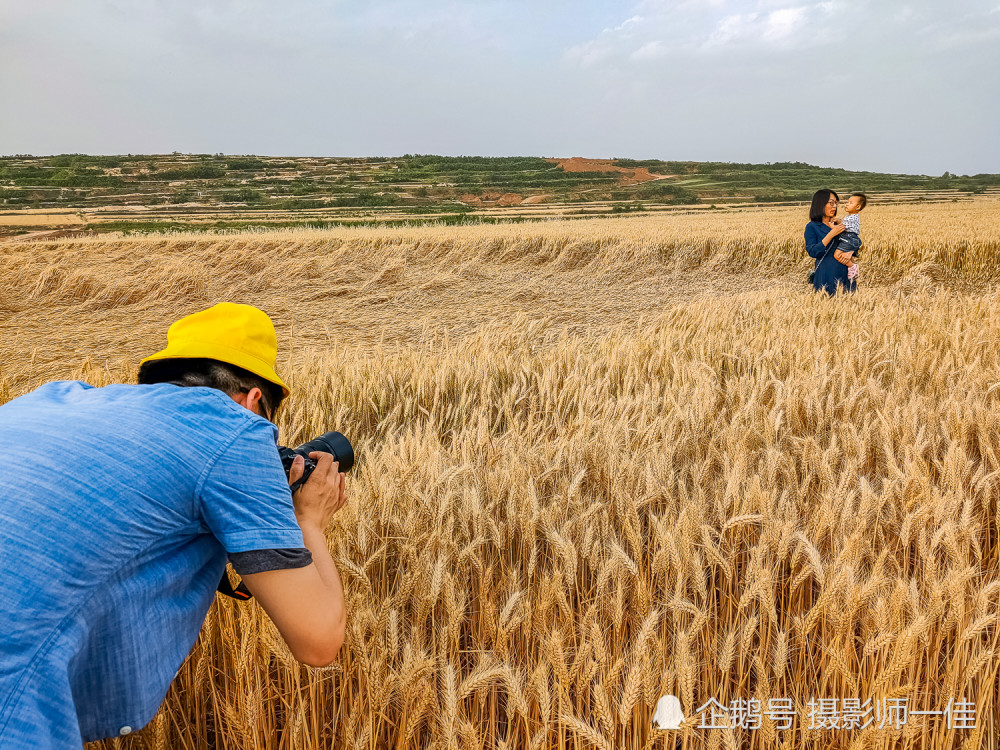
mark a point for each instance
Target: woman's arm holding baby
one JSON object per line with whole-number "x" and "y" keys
{"x": 846, "y": 258}
{"x": 817, "y": 244}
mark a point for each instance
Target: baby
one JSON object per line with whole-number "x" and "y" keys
{"x": 849, "y": 241}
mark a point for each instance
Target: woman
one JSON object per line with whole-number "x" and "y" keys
{"x": 821, "y": 239}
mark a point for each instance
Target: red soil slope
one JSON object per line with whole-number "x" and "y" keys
{"x": 630, "y": 176}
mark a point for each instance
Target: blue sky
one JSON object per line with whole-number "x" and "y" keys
{"x": 886, "y": 86}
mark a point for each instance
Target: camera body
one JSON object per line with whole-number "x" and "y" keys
{"x": 331, "y": 442}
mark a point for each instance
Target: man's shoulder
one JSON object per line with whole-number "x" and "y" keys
{"x": 56, "y": 388}
{"x": 160, "y": 408}
{"x": 131, "y": 391}
{"x": 198, "y": 408}
{"x": 166, "y": 396}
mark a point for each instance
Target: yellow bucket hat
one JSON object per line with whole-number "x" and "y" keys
{"x": 239, "y": 335}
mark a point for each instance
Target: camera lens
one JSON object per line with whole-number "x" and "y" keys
{"x": 331, "y": 442}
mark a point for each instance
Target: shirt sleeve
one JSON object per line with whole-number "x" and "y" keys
{"x": 244, "y": 497}
{"x": 263, "y": 560}
{"x": 814, "y": 241}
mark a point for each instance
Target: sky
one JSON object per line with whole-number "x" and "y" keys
{"x": 880, "y": 85}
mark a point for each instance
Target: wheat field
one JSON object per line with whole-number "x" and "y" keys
{"x": 598, "y": 462}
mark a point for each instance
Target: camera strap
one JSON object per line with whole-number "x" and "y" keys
{"x": 241, "y": 592}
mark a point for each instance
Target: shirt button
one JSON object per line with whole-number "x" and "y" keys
{"x": 125, "y": 730}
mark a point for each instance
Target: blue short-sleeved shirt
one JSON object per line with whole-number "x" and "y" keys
{"x": 118, "y": 506}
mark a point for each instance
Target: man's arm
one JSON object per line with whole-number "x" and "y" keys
{"x": 307, "y": 604}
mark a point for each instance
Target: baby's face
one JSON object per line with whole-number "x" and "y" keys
{"x": 853, "y": 205}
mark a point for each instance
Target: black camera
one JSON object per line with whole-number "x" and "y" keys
{"x": 329, "y": 442}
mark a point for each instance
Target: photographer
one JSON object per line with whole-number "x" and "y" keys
{"x": 118, "y": 509}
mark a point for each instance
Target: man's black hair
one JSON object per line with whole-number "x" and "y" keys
{"x": 212, "y": 373}
{"x": 818, "y": 208}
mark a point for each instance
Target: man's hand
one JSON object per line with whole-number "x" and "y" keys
{"x": 322, "y": 495}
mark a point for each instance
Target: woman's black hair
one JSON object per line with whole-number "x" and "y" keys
{"x": 212, "y": 373}
{"x": 817, "y": 210}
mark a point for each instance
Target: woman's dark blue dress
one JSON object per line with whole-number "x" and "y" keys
{"x": 829, "y": 271}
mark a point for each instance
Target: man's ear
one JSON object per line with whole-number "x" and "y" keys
{"x": 253, "y": 400}
{"x": 249, "y": 400}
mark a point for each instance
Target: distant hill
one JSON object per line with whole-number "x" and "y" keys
{"x": 218, "y": 190}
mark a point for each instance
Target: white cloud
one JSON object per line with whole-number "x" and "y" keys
{"x": 777, "y": 26}
{"x": 596, "y": 51}
{"x": 731, "y": 29}
{"x": 650, "y": 51}
{"x": 782, "y": 24}
{"x": 589, "y": 54}
{"x": 627, "y": 24}
{"x": 663, "y": 27}
{"x": 677, "y": 6}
